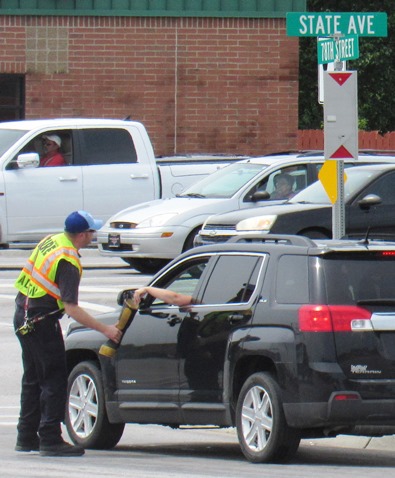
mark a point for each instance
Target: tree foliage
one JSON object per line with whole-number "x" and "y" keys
{"x": 375, "y": 66}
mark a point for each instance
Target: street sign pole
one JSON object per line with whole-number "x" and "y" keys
{"x": 340, "y": 133}
{"x": 338, "y": 209}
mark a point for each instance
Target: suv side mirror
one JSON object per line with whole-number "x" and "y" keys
{"x": 369, "y": 200}
{"x": 28, "y": 160}
{"x": 125, "y": 294}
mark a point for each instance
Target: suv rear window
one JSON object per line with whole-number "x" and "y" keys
{"x": 291, "y": 280}
{"x": 233, "y": 280}
{"x": 355, "y": 277}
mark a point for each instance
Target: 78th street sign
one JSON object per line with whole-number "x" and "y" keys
{"x": 328, "y": 23}
{"x": 340, "y": 49}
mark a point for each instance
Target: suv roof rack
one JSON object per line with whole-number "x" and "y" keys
{"x": 289, "y": 239}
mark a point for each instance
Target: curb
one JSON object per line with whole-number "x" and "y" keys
{"x": 15, "y": 259}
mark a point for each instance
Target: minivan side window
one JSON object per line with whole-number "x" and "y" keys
{"x": 233, "y": 280}
{"x": 106, "y": 146}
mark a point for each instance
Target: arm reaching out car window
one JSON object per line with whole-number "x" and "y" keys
{"x": 168, "y": 296}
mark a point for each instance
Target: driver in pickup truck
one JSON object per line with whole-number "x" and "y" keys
{"x": 52, "y": 156}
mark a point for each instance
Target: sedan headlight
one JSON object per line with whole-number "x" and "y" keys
{"x": 156, "y": 221}
{"x": 258, "y": 223}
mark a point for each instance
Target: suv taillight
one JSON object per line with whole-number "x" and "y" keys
{"x": 330, "y": 318}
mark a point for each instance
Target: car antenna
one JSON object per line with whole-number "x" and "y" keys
{"x": 365, "y": 241}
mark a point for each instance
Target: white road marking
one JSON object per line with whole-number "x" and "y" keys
{"x": 96, "y": 307}
{"x": 7, "y": 420}
{"x": 86, "y": 305}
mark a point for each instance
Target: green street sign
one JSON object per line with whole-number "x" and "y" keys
{"x": 342, "y": 49}
{"x": 323, "y": 24}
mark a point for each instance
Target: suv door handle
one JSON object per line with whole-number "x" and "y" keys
{"x": 174, "y": 319}
{"x": 62, "y": 179}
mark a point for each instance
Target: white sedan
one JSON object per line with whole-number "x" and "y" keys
{"x": 149, "y": 235}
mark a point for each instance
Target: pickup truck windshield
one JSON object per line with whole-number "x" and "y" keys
{"x": 225, "y": 182}
{"x": 8, "y": 137}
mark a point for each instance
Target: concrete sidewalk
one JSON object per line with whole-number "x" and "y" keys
{"x": 90, "y": 257}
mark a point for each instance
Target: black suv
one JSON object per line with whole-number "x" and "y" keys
{"x": 290, "y": 338}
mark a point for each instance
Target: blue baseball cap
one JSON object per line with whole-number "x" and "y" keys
{"x": 81, "y": 221}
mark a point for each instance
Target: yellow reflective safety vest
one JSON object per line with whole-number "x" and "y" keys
{"x": 38, "y": 276}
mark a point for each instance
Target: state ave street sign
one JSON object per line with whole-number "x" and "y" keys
{"x": 328, "y": 23}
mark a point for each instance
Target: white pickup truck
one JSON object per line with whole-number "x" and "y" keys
{"x": 110, "y": 166}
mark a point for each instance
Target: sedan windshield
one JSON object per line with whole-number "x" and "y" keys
{"x": 225, "y": 182}
{"x": 8, "y": 137}
{"x": 316, "y": 194}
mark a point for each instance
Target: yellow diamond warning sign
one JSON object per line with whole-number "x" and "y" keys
{"x": 328, "y": 178}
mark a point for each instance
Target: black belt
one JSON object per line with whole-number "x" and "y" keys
{"x": 28, "y": 326}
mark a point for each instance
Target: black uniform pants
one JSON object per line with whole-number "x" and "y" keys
{"x": 44, "y": 381}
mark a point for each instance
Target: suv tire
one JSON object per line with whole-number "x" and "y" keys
{"x": 263, "y": 433}
{"x": 86, "y": 417}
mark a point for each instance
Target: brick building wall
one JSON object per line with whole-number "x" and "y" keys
{"x": 198, "y": 84}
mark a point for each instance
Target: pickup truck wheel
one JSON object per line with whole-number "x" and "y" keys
{"x": 146, "y": 266}
{"x": 263, "y": 433}
{"x": 86, "y": 417}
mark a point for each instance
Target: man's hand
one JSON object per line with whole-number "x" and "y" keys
{"x": 113, "y": 333}
{"x": 81, "y": 316}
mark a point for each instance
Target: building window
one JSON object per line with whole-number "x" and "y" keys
{"x": 12, "y": 97}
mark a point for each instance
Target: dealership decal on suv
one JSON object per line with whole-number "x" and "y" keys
{"x": 363, "y": 369}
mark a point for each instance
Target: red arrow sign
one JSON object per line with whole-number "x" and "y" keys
{"x": 341, "y": 153}
{"x": 340, "y": 78}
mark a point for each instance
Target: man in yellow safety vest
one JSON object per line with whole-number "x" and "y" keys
{"x": 48, "y": 287}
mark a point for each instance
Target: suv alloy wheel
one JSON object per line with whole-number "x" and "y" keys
{"x": 86, "y": 417}
{"x": 263, "y": 433}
